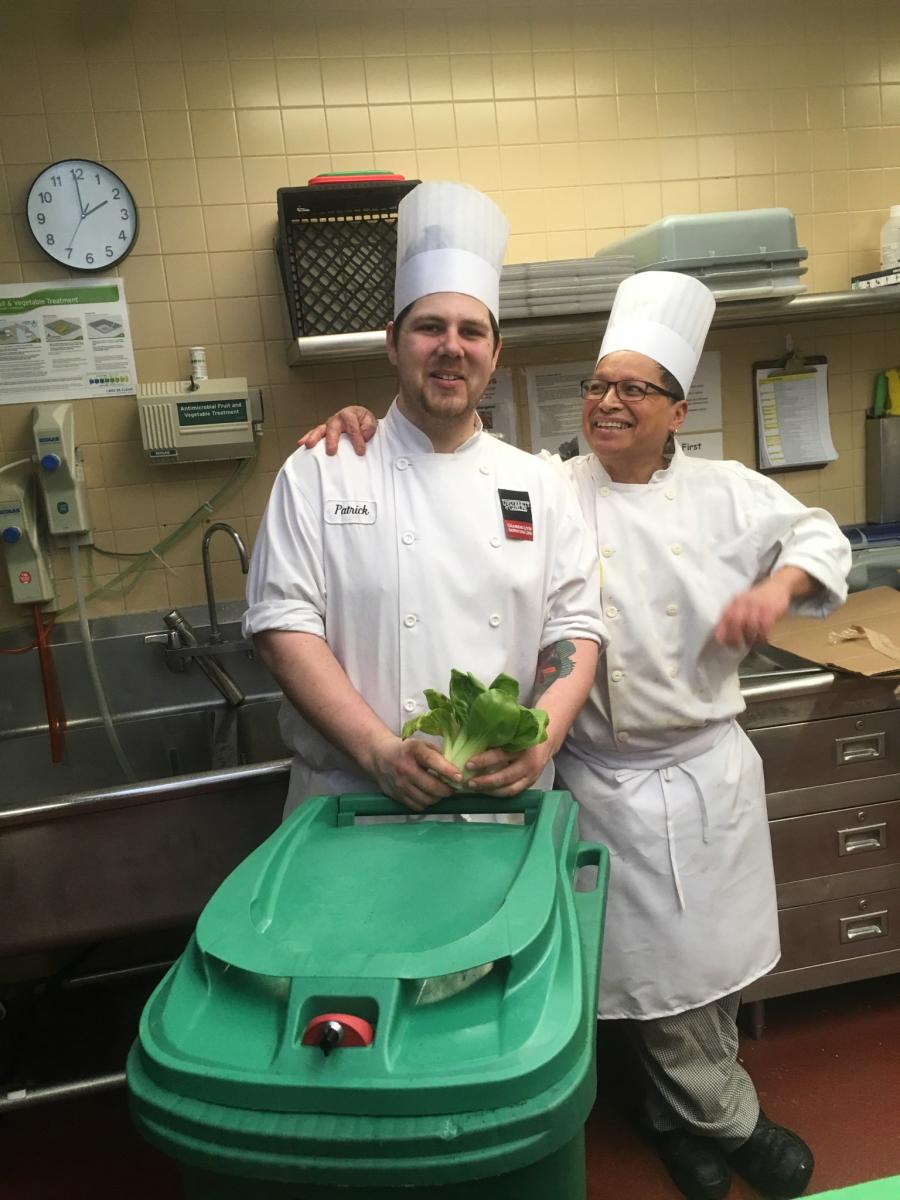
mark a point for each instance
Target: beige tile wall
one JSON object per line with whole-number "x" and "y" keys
{"x": 582, "y": 120}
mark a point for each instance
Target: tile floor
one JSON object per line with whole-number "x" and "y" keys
{"x": 828, "y": 1065}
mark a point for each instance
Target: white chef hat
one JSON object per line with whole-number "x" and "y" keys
{"x": 450, "y": 238}
{"x": 664, "y": 315}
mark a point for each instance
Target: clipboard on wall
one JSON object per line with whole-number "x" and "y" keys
{"x": 790, "y": 398}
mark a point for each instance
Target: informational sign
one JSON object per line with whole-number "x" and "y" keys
{"x": 554, "y": 407}
{"x": 793, "y": 429}
{"x": 65, "y": 341}
{"x": 702, "y": 445}
{"x": 498, "y": 408}
{"x": 705, "y": 395}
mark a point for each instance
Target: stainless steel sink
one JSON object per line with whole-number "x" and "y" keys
{"x": 158, "y": 746}
{"x": 85, "y": 856}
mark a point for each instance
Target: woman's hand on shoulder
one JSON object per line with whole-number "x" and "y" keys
{"x": 357, "y": 422}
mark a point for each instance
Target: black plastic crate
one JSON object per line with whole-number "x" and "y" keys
{"x": 337, "y": 250}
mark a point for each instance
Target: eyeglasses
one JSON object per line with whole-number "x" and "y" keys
{"x": 625, "y": 389}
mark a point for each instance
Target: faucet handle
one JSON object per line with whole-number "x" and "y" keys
{"x": 167, "y": 638}
{"x": 170, "y": 641}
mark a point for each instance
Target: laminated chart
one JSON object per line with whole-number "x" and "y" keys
{"x": 65, "y": 340}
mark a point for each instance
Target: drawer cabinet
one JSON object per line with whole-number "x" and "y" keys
{"x": 811, "y": 753}
{"x": 838, "y": 930}
{"x": 848, "y": 839}
{"x": 833, "y": 790}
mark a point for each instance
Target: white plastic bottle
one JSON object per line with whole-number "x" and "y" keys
{"x": 890, "y": 239}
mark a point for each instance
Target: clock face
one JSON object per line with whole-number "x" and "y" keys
{"x": 82, "y": 214}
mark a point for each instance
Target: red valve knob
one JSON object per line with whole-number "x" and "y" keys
{"x": 350, "y": 1032}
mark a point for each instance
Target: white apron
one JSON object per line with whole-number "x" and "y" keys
{"x": 691, "y": 914}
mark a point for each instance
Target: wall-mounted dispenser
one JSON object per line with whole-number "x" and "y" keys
{"x": 199, "y": 419}
{"x": 27, "y": 564}
{"x": 60, "y": 471}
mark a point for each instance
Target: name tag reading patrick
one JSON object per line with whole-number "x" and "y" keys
{"x": 350, "y": 512}
{"x": 517, "y": 519}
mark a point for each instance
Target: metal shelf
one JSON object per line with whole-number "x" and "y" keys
{"x": 587, "y": 327}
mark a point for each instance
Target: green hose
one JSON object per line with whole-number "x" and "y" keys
{"x": 130, "y": 575}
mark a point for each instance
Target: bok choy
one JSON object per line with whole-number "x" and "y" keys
{"x": 477, "y": 717}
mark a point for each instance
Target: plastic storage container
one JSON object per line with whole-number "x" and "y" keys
{"x": 337, "y": 250}
{"x": 890, "y": 239}
{"x": 767, "y": 234}
{"x": 882, "y": 469}
{"x": 465, "y": 951}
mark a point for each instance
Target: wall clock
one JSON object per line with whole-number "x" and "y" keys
{"x": 82, "y": 215}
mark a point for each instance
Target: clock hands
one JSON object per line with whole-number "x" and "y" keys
{"x": 85, "y": 212}
{"x": 82, "y": 211}
{"x": 78, "y": 190}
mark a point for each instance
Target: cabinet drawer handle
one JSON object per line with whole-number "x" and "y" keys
{"x": 862, "y": 748}
{"x": 858, "y": 929}
{"x": 862, "y": 838}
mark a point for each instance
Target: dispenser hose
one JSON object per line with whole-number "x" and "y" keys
{"x": 92, "y": 663}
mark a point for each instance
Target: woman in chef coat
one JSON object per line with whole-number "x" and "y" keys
{"x": 698, "y": 560}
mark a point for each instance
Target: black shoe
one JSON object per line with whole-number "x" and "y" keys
{"x": 696, "y": 1164}
{"x": 777, "y": 1162}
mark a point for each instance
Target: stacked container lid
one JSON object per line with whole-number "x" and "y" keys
{"x": 738, "y": 255}
{"x": 574, "y": 285}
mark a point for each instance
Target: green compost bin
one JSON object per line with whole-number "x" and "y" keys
{"x": 462, "y": 946}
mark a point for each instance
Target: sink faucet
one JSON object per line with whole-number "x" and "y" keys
{"x": 214, "y": 633}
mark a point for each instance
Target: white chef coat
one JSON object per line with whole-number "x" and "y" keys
{"x": 662, "y": 773}
{"x": 402, "y": 560}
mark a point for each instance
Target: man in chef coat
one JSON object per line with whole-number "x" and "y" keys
{"x": 698, "y": 561}
{"x": 372, "y": 578}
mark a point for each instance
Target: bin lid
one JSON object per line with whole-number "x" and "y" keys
{"x": 458, "y": 942}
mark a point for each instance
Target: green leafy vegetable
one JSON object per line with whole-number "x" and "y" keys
{"x": 476, "y": 717}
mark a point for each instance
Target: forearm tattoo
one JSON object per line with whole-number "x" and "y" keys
{"x": 554, "y": 662}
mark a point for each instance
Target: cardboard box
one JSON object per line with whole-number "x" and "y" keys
{"x": 863, "y": 636}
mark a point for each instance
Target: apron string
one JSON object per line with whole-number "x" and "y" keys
{"x": 664, "y": 775}
{"x": 704, "y": 816}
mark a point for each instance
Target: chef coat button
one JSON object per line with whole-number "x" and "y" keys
{"x": 623, "y": 735}
{"x": 401, "y": 464}
{"x": 484, "y": 469}
{"x": 607, "y": 552}
{"x": 672, "y": 610}
{"x": 673, "y": 672}
{"x": 670, "y": 495}
{"x": 408, "y": 539}
{"x": 495, "y": 542}
{"x": 617, "y": 675}
{"x": 409, "y": 621}
{"x": 676, "y": 547}
{"x": 494, "y": 620}
{"x": 611, "y": 610}
{"x": 409, "y": 705}
{"x": 604, "y": 491}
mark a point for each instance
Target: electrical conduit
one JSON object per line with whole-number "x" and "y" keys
{"x": 56, "y": 715}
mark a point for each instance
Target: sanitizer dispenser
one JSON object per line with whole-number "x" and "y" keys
{"x": 27, "y": 564}
{"x": 60, "y": 471}
{"x": 199, "y": 420}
